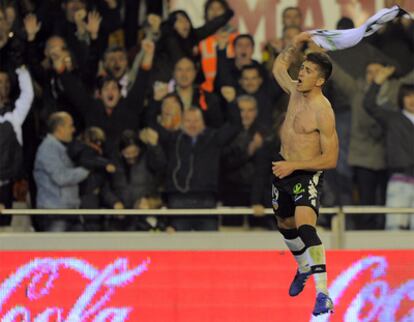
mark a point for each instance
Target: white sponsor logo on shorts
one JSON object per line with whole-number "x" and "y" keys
{"x": 275, "y": 198}
{"x": 313, "y": 192}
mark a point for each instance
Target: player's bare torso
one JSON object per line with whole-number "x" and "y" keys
{"x": 300, "y": 138}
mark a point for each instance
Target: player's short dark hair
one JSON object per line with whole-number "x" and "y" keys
{"x": 324, "y": 63}
{"x": 405, "y": 90}
{"x": 345, "y": 23}
{"x": 243, "y": 36}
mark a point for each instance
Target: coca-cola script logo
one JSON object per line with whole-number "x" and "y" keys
{"x": 41, "y": 274}
{"x": 382, "y": 300}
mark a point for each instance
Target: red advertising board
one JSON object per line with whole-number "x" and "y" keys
{"x": 199, "y": 286}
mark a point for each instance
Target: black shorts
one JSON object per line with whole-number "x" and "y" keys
{"x": 301, "y": 188}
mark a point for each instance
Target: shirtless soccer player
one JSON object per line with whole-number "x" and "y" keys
{"x": 309, "y": 145}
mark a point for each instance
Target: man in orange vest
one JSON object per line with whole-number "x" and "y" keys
{"x": 208, "y": 47}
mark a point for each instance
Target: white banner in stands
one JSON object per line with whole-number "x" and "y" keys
{"x": 262, "y": 18}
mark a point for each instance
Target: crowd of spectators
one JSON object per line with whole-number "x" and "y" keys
{"x": 121, "y": 104}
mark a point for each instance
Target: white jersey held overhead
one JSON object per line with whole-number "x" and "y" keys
{"x": 341, "y": 39}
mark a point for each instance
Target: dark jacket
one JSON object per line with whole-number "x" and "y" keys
{"x": 126, "y": 115}
{"x": 12, "y": 54}
{"x": 111, "y": 21}
{"x": 11, "y": 156}
{"x": 193, "y": 165}
{"x": 237, "y": 166}
{"x": 399, "y": 132}
{"x": 172, "y": 47}
{"x": 142, "y": 179}
{"x": 93, "y": 190}
{"x": 52, "y": 98}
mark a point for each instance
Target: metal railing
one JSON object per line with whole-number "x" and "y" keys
{"x": 228, "y": 211}
{"x": 338, "y": 221}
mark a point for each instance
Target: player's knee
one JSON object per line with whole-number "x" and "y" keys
{"x": 289, "y": 233}
{"x": 309, "y": 236}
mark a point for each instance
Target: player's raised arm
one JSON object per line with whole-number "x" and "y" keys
{"x": 284, "y": 60}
